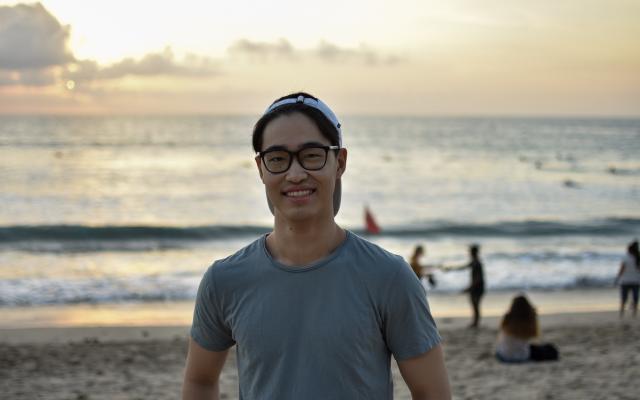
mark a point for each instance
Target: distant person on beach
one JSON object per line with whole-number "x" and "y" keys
{"x": 314, "y": 311}
{"x": 476, "y": 286}
{"x": 419, "y": 269}
{"x": 520, "y": 325}
{"x": 629, "y": 278}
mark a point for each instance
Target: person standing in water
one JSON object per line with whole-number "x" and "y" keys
{"x": 476, "y": 286}
{"x": 419, "y": 269}
{"x": 314, "y": 311}
{"x": 629, "y": 278}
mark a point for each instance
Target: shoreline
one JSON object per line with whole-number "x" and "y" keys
{"x": 146, "y": 333}
{"x": 443, "y": 306}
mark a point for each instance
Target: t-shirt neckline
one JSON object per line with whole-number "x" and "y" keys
{"x": 304, "y": 268}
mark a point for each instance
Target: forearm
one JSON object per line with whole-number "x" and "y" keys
{"x": 442, "y": 393}
{"x": 202, "y": 373}
{"x": 426, "y": 375}
{"x": 200, "y": 391}
{"x": 448, "y": 268}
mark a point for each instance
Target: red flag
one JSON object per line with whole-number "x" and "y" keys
{"x": 370, "y": 223}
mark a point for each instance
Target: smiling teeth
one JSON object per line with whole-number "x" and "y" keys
{"x": 299, "y": 193}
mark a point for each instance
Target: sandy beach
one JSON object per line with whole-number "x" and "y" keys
{"x": 600, "y": 355}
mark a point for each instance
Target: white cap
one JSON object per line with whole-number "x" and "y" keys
{"x": 311, "y": 102}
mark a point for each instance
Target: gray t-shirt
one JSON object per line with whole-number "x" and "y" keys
{"x": 322, "y": 331}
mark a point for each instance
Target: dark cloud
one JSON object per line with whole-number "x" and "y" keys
{"x": 325, "y": 51}
{"x": 31, "y": 38}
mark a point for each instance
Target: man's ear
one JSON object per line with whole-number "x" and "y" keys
{"x": 342, "y": 162}
{"x": 259, "y": 165}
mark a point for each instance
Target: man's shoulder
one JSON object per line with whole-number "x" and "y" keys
{"x": 375, "y": 256}
{"x": 246, "y": 256}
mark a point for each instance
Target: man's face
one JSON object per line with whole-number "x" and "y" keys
{"x": 300, "y": 194}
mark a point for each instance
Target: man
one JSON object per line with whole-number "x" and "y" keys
{"x": 314, "y": 311}
{"x": 476, "y": 286}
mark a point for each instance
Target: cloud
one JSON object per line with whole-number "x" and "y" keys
{"x": 34, "y": 52}
{"x": 7, "y": 78}
{"x": 32, "y": 38}
{"x": 263, "y": 50}
{"x": 28, "y": 77}
{"x": 152, "y": 64}
{"x": 325, "y": 52}
{"x": 331, "y": 53}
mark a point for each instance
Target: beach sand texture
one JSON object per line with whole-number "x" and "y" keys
{"x": 600, "y": 359}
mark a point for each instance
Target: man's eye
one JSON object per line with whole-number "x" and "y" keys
{"x": 312, "y": 154}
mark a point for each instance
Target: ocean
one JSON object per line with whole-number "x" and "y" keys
{"x": 119, "y": 210}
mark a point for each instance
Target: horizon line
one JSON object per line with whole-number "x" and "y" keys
{"x": 160, "y": 114}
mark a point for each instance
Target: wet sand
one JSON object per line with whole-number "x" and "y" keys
{"x": 179, "y": 313}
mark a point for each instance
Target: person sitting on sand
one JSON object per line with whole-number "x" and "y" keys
{"x": 419, "y": 269}
{"x": 629, "y": 278}
{"x": 476, "y": 286}
{"x": 314, "y": 311}
{"x": 520, "y": 325}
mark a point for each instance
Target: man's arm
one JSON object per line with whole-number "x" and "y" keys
{"x": 426, "y": 375}
{"x": 202, "y": 373}
{"x": 447, "y": 268}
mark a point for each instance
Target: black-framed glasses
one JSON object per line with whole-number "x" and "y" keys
{"x": 311, "y": 158}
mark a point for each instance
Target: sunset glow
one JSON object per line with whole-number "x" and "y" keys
{"x": 407, "y": 57}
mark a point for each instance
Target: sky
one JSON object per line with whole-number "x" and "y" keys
{"x": 363, "y": 57}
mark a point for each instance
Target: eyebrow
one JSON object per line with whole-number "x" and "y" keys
{"x": 302, "y": 146}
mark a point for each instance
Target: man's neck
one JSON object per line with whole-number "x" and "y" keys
{"x": 302, "y": 243}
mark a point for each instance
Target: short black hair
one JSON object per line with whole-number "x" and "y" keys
{"x": 324, "y": 125}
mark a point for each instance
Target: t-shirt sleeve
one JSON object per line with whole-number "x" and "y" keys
{"x": 209, "y": 328}
{"x": 409, "y": 328}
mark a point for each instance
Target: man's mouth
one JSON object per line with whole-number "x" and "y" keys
{"x": 299, "y": 193}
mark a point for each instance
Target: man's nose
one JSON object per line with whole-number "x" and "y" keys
{"x": 296, "y": 173}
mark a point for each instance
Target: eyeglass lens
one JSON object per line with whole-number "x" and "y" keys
{"x": 311, "y": 158}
